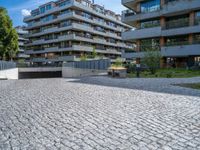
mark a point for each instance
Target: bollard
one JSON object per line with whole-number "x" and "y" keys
{"x": 138, "y": 70}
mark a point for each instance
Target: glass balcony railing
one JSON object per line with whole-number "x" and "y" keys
{"x": 145, "y": 48}
{"x": 197, "y": 21}
{"x": 177, "y": 43}
{"x": 177, "y": 23}
{"x": 128, "y": 13}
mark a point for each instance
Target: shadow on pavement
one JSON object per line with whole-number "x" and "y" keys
{"x": 161, "y": 85}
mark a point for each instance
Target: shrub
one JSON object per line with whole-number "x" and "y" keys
{"x": 169, "y": 75}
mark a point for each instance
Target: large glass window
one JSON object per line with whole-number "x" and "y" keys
{"x": 42, "y": 10}
{"x": 48, "y": 7}
{"x": 197, "y": 17}
{"x": 65, "y": 23}
{"x": 196, "y": 39}
{"x": 64, "y": 3}
{"x": 150, "y": 45}
{"x": 149, "y": 24}
{"x": 150, "y": 6}
{"x": 48, "y": 18}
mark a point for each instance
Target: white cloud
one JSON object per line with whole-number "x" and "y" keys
{"x": 26, "y": 12}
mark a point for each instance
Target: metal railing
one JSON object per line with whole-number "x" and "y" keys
{"x": 102, "y": 64}
{"x": 7, "y": 65}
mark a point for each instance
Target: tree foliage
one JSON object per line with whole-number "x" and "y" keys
{"x": 8, "y": 36}
{"x": 152, "y": 60}
{"x": 94, "y": 53}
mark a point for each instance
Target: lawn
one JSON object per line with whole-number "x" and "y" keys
{"x": 193, "y": 86}
{"x": 168, "y": 73}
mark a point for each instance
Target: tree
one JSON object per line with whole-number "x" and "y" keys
{"x": 8, "y": 36}
{"x": 94, "y": 53}
{"x": 152, "y": 60}
{"x": 118, "y": 63}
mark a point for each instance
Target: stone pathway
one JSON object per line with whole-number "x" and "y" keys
{"x": 99, "y": 113}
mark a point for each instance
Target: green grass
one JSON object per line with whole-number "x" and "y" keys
{"x": 193, "y": 86}
{"x": 168, "y": 73}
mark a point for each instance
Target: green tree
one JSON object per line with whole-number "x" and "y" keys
{"x": 8, "y": 36}
{"x": 152, "y": 60}
{"x": 94, "y": 53}
{"x": 118, "y": 63}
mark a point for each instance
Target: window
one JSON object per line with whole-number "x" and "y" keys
{"x": 65, "y": 23}
{"x": 197, "y": 18}
{"x": 177, "y": 22}
{"x": 150, "y": 45}
{"x": 48, "y": 7}
{"x": 42, "y": 10}
{"x": 35, "y": 12}
{"x": 149, "y": 24}
{"x": 150, "y": 6}
{"x": 64, "y": 12}
{"x": 179, "y": 40}
{"x": 99, "y": 29}
{"x": 196, "y": 39}
{"x": 48, "y": 18}
{"x": 64, "y": 3}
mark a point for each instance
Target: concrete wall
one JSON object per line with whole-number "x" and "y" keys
{"x": 68, "y": 72}
{"x": 40, "y": 69}
{"x": 9, "y": 74}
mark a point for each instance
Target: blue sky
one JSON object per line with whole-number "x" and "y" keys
{"x": 18, "y": 8}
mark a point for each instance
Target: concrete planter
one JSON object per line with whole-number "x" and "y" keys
{"x": 119, "y": 72}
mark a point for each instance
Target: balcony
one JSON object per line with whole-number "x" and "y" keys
{"x": 181, "y": 50}
{"x": 55, "y": 9}
{"x": 168, "y": 9}
{"x": 38, "y": 60}
{"x": 130, "y": 3}
{"x": 142, "y": 33}
{"x": 181, "y": 30}
{"x": 51, "y": 49}
{"x": 56, "y": 19}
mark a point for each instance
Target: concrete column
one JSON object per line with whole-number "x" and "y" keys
{"x": 191, "y": 18}
{"x": 162, "y": 3}
{"x": 162, "y": 22}
{"x": 138, "y": 25}
{"x": 138, "y": 7}
{"x": 162, "y": 41}
{"x": 190, "y": 38}
{"x": 138, "y": 45}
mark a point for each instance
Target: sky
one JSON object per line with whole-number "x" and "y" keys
{"x": 17, "y": 9}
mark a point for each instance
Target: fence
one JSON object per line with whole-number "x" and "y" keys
{"x": 7, "y": 65}
{"x": 102, "y": 64}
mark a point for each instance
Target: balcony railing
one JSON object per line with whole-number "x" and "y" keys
{"x": 177, "y": 23}
{"x": 145, "y": 48}
{"x": 177, "y": 43}
{"x": 128, "y": 13}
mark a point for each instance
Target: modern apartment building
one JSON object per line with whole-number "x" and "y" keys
{"x": 66, "y": 29}
{"x": 170, "y": 26}
{"x": 22, "y": 41}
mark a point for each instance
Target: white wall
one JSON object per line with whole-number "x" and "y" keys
{"x": 9, "y": 74}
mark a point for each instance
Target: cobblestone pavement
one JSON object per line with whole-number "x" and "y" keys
{"x": 117, "y": 114}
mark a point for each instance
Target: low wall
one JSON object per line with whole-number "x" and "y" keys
{"x": 69, "y": 72}
{"x": 9, "y": 74}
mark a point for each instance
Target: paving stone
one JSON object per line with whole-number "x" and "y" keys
{"x": 99, "y": 113}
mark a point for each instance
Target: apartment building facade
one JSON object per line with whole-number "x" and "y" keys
{"x": 21, "y": 41}
{"x": 169, "y": 26}
{"x": 65, "y": 30}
